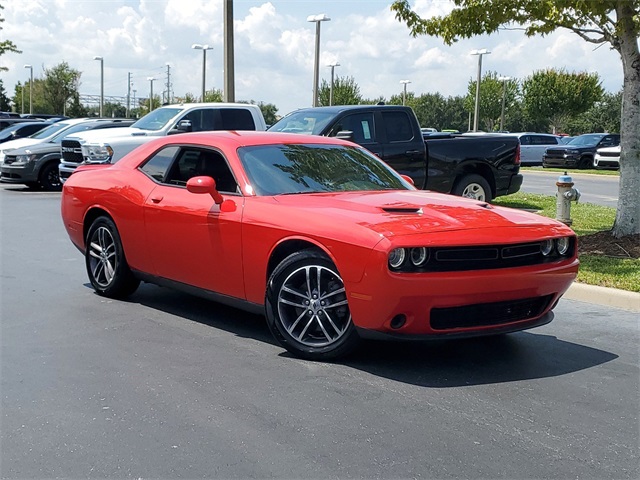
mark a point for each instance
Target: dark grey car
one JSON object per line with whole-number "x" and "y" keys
{"x": 37, "y": 165}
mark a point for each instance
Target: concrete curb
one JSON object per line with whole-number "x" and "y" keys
{"x": 609, "y": 297}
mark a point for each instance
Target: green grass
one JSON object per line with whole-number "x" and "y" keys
{"x": 570, "y": 170}
{"x": 622, "y": 273}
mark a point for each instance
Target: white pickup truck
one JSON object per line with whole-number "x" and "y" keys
{"x": 109, "y": 147}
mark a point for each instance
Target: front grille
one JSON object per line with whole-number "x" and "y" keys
{"x": 609, "y": 154}
{"x": 555, "y": 153}
{"x": 71, "y": 151}
{"x": 457, "y": 259}
{"x": 488, "y": 314}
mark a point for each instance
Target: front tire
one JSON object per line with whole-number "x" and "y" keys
{"x": 307, "y": 309}
{"x": 585, "y": 163}
{"x": 473, "y": 186}
{"x": 106, "y": 264}
{"x": 50, "y": 179}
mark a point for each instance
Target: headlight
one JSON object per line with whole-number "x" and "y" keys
{"x": 396, "y": 257}
{"x": 97, "y": 153}
{"x": 563, "y": 244}
{"x": 546, "y": 247}
{"x": 25, "y": 158}
{"x": 572, "y": 152}
{"x": 419, "y": 256}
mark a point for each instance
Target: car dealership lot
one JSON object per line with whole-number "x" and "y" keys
{"x": 166, "y": 385}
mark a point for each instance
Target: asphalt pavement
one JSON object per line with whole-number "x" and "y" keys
{"x": 166, "y": 385}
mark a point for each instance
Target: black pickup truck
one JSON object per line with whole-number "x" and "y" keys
{"x": 481, "y": 167}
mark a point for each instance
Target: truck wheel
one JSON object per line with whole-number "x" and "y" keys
{"x": 49, "y": 178}
{"x": 585, "y": 163}
{"x": 473, "y": 186}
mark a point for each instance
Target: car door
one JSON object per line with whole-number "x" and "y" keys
{"x": 189, "y": 239}
{"x": 539, "y": 144}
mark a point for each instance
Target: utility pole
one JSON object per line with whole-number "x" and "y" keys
{"x": 168, "y": 83}
{"x": 128, "y": 94}
{"x": 229, "y": 92}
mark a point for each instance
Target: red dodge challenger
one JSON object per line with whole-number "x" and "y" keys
{"x": 317, "y": 233}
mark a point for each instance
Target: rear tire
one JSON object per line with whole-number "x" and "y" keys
{"x": 306, "y": 307}
{"x": 106, "y": 264}
{"x": 473, "y": 186}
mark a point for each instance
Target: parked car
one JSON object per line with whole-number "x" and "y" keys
{"x": 317, "y": 233}
{"x": 607, "y": 157}
{"x": 37, "y": 165}
{"x": 580, "y": 151}
{"x": 533, "y": 146}
{"x": 21, "y": 130}
{"x": 109, "y": 147}
{"x": 564, "y": 139}
{"x": 10, "y": 121}
{"x": 482, "y": 167}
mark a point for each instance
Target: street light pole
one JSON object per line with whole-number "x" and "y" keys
{"x": 204, "y": 49}
{"x": 504, "y": 94}
{"x": 101, "y": 83}
{"x": 30, "y": 89}
{"x": 151, "y": 79}
{"x": 480, "y": 53}
{"x": 316, "y": 65}
{"x": 332, "y": 66}
{"x": 404, "y": 92}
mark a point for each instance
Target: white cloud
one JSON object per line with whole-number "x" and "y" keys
{"x": 274, "y": 47}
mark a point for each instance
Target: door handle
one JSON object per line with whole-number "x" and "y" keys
{"x": 413, "y": 152}
{"x": 157, "y": 199}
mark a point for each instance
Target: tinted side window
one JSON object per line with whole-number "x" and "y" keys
{"x": 361, "y": 124}
{"x": 397, "y": 126}
{"x": 544, "y": 140}
{"x": 236, "y": 119}
{"x": 29, "y": 129}
{"x": 525, "y": 140}
{"x": 201, "y": 120}
{"x": 158, "y": 165}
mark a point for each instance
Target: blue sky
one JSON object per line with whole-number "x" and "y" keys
{"x": 274, "y": 48}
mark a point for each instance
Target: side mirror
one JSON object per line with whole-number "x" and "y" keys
{"x": 345, "y": 135}
{"x": 408, "y": 179}
{"x": 184, "y": 126}
{"x": 200, "y": 185}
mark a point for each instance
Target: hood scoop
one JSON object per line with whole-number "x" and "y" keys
{"x": 403, "y": 209}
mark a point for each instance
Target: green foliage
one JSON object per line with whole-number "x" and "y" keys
{"x": 269, "y": 112}
{"x": 4, "y": 100}
{"x": 60, "y": 84}
{"x": 214, "y": 95}
{"x": 490, "y": 103}
{"x": 6, "y": 45}
{"x": 556, "y": 95}
{"x": 604, "y": 116}
{"x": 345, "y": 92}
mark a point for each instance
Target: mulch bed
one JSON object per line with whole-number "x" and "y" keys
{"x": 603, "y": 243}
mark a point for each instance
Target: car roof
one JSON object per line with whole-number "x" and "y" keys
{"x": 342, "y": 108}
{"x": 243, "y": 138}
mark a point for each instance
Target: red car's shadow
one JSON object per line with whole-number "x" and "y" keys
{"x": 437, "y": 363}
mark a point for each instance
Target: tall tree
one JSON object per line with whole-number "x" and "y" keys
{"x": 616, "y": 22}
{"x": 345, "y": 92}
{"x": 558, "y": 96}
{"x": 490, "y": 103}
{"x": 60, "y": 84}
{"x": 4, "y": 100}
{"x": 6, "y": 45}
{"x": 604, "y": 116}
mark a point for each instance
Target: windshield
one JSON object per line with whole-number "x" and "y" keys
{"x": 57, "y": 138}
{"x": 157, "y": 119}
{"x": 584, "y": 140}
{"x": 49, "y": 131}
{"x": 303, "y": 122}
{"x": 301, "y": 168}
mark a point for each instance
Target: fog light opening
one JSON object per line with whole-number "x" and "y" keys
{"x": 398, "y": 321}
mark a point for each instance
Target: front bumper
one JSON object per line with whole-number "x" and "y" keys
{"x": 21, "y": 173}
{"x": 564, "y": 161}
{"x": 458, "y": 304}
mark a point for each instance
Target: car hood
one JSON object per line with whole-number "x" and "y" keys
{"x": 38, "y": 149}
{"x": 19, "y": 143}
{"x": 103, "y": 135}
{"x": 398, "y": 213}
